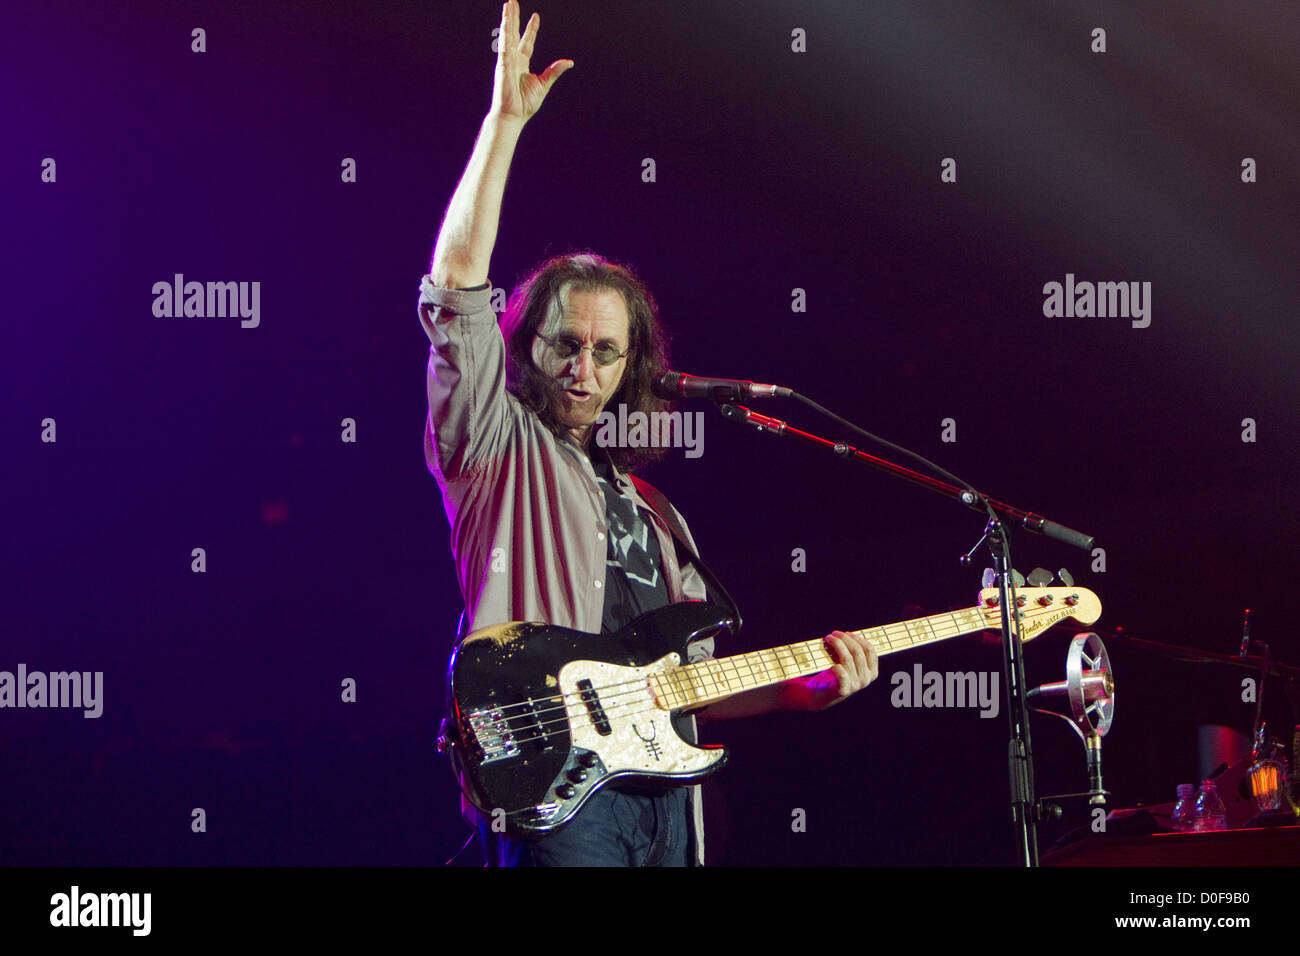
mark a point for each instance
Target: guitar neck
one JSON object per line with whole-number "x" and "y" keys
{"x": 718, "y": 678}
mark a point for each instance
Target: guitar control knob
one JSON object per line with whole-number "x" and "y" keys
{"x": 577, "y": 775}
{"x": 588, "y": 760}
{"x": 565, "y": 791}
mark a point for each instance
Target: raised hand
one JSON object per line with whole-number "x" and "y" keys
{"x": 516, "y": 93}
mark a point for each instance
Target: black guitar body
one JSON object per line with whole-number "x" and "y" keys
{"x": 545, "y": 716}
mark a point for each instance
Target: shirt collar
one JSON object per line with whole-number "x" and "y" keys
{"x": 598, "y": 453}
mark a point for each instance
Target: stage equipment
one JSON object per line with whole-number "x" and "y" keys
{"x": 1089, "y": 687}
{"x": 1001, "y": 521}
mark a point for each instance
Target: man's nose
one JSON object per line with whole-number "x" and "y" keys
{"x": 582, "y": 365}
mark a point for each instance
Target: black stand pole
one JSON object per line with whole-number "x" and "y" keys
{"x": 1020, "y": 756}
{"x": 1020, "y": 760}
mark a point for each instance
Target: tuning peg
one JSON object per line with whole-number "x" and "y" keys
{"x": 1066, "y": 577}
{"x": 1039, "y": 577}
{"x": 990, "y": 578}
{"x": 1017, "y": 579}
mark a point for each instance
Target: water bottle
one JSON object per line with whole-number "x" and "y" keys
{"x": 1181, "y": 819}
{"x": 1209, "y": 813}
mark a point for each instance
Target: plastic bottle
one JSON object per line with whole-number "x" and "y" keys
{"x": 1209, "y": 813}
{"x": 1181, "y": 819}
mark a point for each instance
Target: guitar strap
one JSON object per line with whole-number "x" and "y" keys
{"x": 659, "y": 504}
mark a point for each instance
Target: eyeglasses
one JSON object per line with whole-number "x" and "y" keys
{"x": 566, "y": 347}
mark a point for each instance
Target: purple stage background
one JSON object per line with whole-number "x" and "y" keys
{"x": 775, "y": 170}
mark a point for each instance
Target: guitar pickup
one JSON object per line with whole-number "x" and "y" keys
{"x": 587, "y": 694}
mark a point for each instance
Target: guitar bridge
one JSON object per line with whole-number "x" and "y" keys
{"x": 492, "y": 735}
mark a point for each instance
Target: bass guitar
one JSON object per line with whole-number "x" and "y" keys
{"x": 542, "y": 717}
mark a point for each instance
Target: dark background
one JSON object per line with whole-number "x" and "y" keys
{"x": 775, "y": 170}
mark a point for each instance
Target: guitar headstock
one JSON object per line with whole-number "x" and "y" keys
{"x": 1040, "y": 608}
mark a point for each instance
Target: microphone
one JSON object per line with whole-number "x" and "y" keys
{"x": 674, "y": 385}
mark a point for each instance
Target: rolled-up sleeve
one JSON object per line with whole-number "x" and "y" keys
{"x": 466, "y": 379}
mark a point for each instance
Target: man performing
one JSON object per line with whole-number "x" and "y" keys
{"x": 545, "y": 524}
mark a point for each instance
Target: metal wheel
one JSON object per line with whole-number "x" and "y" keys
{"x": 1091, "y": 685}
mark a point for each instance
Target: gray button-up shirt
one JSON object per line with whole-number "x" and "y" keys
{"x": 526, "y": 513}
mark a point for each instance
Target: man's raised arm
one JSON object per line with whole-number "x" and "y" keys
{"x": 469, "y": 229}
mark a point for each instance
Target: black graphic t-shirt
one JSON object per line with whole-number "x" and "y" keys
{"x": 635, "y": 584}
{"x": 634, "y": 578}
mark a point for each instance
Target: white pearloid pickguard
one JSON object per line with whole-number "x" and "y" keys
{"x": 643, "y": 739}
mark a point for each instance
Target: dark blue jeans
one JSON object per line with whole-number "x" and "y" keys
{"x": 614, "y": 828}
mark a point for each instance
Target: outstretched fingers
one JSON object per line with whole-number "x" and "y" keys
{"x": 508, "y": 38}
{"x": 516, "y": 92}
{"x": 525, "y": 46}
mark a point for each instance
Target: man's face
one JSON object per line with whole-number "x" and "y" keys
{"x": 591, "y": 319}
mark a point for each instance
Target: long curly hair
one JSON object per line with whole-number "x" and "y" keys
{"x": 540, "y": 298}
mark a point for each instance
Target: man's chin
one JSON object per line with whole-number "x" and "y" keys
{"x": 570, "y": 418}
